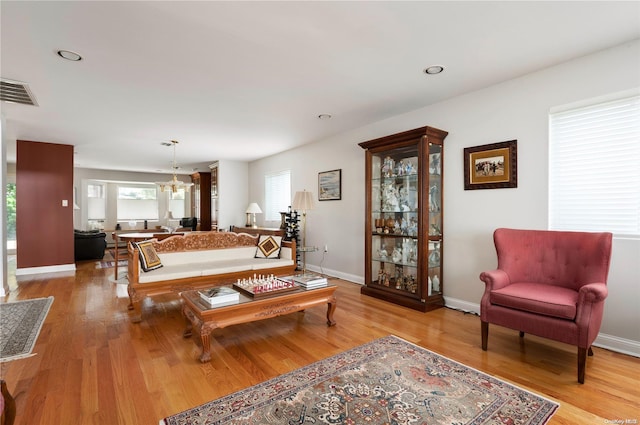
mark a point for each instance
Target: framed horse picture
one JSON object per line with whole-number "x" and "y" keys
{"x": 492, "y": 166}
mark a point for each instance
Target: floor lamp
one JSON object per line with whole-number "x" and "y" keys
{"x": 303, "y": 202}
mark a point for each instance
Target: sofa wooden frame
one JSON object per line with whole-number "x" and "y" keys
{"x": 139, "y": 291}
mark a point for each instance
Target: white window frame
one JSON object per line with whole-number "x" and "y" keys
{"x": 594, "y": 167}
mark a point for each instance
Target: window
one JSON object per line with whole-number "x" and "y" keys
{"x": 139, "y": 202}
{"x": 11, "y": 211}
{"x": 96, "y": 202}
{"x": 176, "y": 203}
{"x": 277, "y": 194}
{"x": 594, "y": 168}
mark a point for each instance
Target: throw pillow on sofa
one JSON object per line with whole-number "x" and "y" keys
{"x": 268, "y": 246}
{"x": 149, "y": 259}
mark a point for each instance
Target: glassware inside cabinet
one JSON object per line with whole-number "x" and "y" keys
{"x": 435, "y": 189}
{"x": 395, "y": 262}
{"x": 434, "y": 267}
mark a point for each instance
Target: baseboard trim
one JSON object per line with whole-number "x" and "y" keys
{"x": 335, "y": 273}
{"x": 617, "y": 344}
{"x": 45, "y": 269}
{"x": 609, "y": 342}
{"x": 462, "y": 305}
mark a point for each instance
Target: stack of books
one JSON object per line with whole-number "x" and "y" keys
{"x": 220, "y": 295}
{"x": 310, "y": 281}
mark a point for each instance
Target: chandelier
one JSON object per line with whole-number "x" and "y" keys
{"x": 174, "y": 184}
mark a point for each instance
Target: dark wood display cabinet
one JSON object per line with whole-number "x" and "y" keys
{"x": 403, "y": 223}
{"x": 201, "y": 199}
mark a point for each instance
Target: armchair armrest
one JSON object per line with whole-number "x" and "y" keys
{"x": 590, "y": 310}
{"x": 495, "y": 279}
{"x": 592, "y": 293}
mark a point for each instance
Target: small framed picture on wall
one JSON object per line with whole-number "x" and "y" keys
{"x": 330, "y": 185}
{"x": 493, "y": 166}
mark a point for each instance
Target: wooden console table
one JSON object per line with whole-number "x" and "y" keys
{"x": 259, "y": 230}
{"x": 207, "y": 318}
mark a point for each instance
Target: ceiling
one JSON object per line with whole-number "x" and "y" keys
{"x": 245, "y": 80}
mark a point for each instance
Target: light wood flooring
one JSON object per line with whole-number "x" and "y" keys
{"x": 93, "y": 366}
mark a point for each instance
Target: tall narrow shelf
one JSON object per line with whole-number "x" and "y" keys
{"x": 201, "y": 199}
{"x": 403, "y": 223}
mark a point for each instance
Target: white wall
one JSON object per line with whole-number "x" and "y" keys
{"x": 233, "y": 191}
{"x": 516, "y": 109}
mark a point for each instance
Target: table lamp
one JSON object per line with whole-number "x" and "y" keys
{"x": 251, "y": 211}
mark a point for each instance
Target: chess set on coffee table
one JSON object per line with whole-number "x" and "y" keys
{"x": 264, "y": 285}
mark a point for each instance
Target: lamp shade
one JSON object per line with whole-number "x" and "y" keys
{"x": 302, "y": 201}
{"x": 168, "y": 215}
{"x": 253, "y": 208}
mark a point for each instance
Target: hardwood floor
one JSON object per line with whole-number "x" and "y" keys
{"x": 93, "y": 366}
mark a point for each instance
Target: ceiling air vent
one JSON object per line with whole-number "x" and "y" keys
{"x": 16, "y": 92}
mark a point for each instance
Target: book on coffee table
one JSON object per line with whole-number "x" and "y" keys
{"x": 220, "y": 295}
{"x": 310, "y": 281}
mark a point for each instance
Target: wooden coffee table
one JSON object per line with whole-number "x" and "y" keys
{"x": 202, "y": 316}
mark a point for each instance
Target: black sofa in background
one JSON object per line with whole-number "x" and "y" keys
{"x": 89, "y": 244}
{"x": 189, "y": 222}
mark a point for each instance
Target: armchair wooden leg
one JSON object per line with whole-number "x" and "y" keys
{"x": 485, "y": 334}
{"x": 590, "y": 351}
{"x": 582, "y": 363}
{"x": 521, "y": 334}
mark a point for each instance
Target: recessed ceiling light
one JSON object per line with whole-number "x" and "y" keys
{"x": 69, "y": 55}
{"x": 434, "y": 69}
{"x": 324, "y": 116}
{"x": 166, "y": 144}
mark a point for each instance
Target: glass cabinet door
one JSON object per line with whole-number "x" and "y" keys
{"x": 394, "y": 219}
{"x": 435, "y": 220}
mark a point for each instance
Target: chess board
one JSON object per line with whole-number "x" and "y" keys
{"x": 265, "y": 286}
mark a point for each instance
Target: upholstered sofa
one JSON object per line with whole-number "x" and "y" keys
{"x": 197, "y": 260}
{"x": 89, "y": 244}
{"x": 551, "y": 284}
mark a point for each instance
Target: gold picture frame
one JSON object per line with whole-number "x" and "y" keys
{"x": 492, "y": 166}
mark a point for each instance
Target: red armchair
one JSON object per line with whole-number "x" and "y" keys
{"x": 548, "y": 283}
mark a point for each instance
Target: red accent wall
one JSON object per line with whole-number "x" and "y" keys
{"x": 44, "y": 228}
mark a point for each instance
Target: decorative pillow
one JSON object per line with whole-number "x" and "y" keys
{"x": 149, "y": 260}
{"x": 268, "y": 246}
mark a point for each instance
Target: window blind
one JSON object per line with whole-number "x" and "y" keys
{"x": 594, "y": 168}
{"x": 277, "y": 194}
{"x": 137, "y": 202}
{"x": 96, "y": 202}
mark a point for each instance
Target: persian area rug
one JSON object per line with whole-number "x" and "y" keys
{"x": 387, "y": 381}
{"x": 20, "y": 324}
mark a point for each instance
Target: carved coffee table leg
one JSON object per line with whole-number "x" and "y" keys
{"x": 189, "y": 324}
{"x": 205, "y": 335}
{"x": 331, "y": 307}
